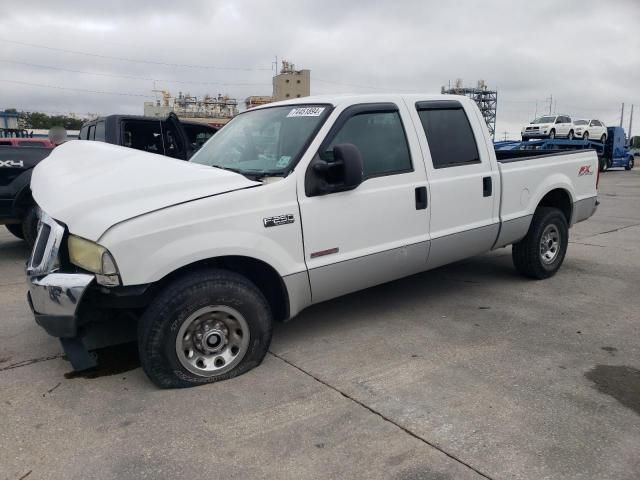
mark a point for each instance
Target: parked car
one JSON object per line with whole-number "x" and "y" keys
{"x": 207, "y": 254}
{"x": 18, "y": 156}
{"x": 170, "y": 136}
{"x": 590, "y": 129}
{"x": 549, "y": 126}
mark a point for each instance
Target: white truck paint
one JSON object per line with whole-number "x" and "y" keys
{"x": 157, "y": 216}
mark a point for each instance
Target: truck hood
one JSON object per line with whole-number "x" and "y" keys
{"x": 91, "y": 186}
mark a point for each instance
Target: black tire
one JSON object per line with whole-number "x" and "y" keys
{"x": 603, "y": 164}
{"x": 552, "y": 134}
{"x": 571, "y": 135}
{"x": 15, "y": 229}
{"x": 30, "y": 226}
{"x": 630, "y": 164}
{"x": 526, "y": 254}
{"x": 585, "y": 136}
{"x": 159, "y": 325}
{"x": 603, "y": 138}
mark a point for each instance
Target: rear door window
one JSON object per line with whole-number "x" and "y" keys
{"x": 449, "y": 135}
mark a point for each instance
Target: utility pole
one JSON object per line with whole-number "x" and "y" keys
{"x": 536, "y": 114}
{"x": 622, "y": 114}
{"x": 505, "y": 135}
{"x": 630, "y": 122}
{"x": 550, "y": 103}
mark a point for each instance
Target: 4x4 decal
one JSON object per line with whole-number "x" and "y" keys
{"x": 11, "y": 163}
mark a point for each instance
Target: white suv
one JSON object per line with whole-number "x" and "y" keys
{"x": 549, "y": 126}
{"x": 591, "y": 129}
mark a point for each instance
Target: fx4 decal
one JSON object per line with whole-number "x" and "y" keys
{"x": 585, "y": 170}
{"x": 278, "y": 220}
{"x": 11, "y": 163}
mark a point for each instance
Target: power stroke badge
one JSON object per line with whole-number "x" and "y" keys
{"x": 278, "y": 220}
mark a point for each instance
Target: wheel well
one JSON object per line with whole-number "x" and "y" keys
{"x": 263, "y": 275}
{"x": 560, "y": 199}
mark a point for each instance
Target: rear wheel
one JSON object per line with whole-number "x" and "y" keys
{"x": 541, "y": 252}
{"x": 204, "y": 327}
{"x": 603, "y": 138}
{"x": 15, "y": 229}
{"x": 571, "y": 135}
{"x": 552, "y": 134}
{"x": 630, "y": 164}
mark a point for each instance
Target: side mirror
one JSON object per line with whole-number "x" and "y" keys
{"x": 342, "y": 174}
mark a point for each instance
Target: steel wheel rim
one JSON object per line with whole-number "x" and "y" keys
{"x": 212, "y": 340}
{"x": 550, "y": 244}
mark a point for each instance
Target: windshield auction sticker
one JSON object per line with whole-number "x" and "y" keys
{"x": 306, "y": 112}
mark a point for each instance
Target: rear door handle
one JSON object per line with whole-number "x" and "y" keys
{"x": 487, "y": 187}
{"x": 421, "y": 198}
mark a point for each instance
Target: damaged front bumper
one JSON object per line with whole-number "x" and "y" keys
{"x": 54, "y": 300}
{"x": 55, "y": 297}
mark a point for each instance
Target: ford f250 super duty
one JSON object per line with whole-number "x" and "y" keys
{"x": 291, "y": 204}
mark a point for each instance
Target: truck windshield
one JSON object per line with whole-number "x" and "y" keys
{"x": 263, "y": 142}
{"x": 544, "y": 120}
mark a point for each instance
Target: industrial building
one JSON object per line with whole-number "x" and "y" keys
{"x": 215, "y": 111}
{"x": 289, "y": 83}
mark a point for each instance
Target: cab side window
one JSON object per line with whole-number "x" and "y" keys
{"x": 449, "y": 135}
{"x": 381, "y": 139}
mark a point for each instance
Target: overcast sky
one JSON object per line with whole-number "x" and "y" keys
{"x": 584, "y": 53}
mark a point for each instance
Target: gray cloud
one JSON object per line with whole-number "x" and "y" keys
{"x": 585, "y": 53}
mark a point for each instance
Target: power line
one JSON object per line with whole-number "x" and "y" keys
{"x": 122, "y": 94}
{"x": 131, "y": 77}
{"x": 131, "y": 60}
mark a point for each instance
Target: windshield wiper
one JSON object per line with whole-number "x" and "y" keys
{"x": 235, "y": 170}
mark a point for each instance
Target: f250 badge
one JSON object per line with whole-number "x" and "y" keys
{"x": 585, "y": 170}
{"x": 11, "y": 163}
{"x": 278, "y": 220}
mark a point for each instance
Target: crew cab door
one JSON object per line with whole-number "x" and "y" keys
{"x": 463, "y": 179}
{"x": 378, "y": 231}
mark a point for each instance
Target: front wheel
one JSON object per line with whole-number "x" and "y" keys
{"x": 603, "y": 138}
{"x": 552, "y": 134}
{"x": 571, "y": 135}
{"x": 541, "y": 252}
{"x": 585, "y": 136}
{"x": 204, "y": 327}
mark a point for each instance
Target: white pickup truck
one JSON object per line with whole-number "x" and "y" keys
{"x": 290, "y": 204}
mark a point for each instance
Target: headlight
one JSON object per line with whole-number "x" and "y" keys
{"x": 94, "y": 258}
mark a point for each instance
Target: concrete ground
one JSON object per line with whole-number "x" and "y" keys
{"x": 465, "y": 372}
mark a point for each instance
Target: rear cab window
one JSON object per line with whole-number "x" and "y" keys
{"x": 143, "y": 135}
{"x": 451, "y": 140}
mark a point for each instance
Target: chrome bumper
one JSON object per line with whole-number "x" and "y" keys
{"x": 54, "y": 300}
{"x": 53, "y": 297}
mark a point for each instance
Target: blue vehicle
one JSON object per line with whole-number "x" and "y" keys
{"x": 614, "y": 153}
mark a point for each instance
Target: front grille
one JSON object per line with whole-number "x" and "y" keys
{"x": 41, "y": 244}
{"x": 45, "y": 255}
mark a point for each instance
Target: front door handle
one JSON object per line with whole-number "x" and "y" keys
{"x": 487, "y": 187}
{"x": 421, "y": 198}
